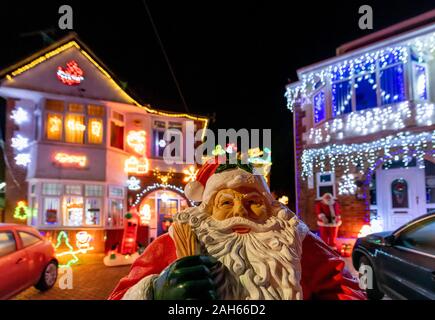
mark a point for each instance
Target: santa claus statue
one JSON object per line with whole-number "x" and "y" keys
{"x": 328, "y": 218}
{"x": 239, "y": 243}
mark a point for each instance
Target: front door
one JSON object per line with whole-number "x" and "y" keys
{"x": 401, "y": 195}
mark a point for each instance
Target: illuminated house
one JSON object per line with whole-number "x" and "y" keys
{"x": 81, "y": 152}
{"x": 364, "y": 128}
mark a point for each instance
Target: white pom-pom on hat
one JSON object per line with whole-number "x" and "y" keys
{"x": 194, "y": 190}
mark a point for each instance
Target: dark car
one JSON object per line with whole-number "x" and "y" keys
{"x": 402, "y": 261}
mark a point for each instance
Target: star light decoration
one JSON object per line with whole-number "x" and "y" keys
{"x": 133, "y": 184}
{"x": 346, "y": 185}
{"x": 164, "y": 178}
{"x": 22, "y": 159}
{"x": 190, "y": 174}
{"x": 19, "y": 142}
{"x": 19, "y": 115}
{"x": 365, "y": 155}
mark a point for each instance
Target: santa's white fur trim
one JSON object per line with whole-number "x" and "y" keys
{"x": 141, "y": 290}
{"x": 194, "y": 190}
{"x": 235, "y": 178}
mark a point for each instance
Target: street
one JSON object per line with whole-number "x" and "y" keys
{"x": 92, "y": 280}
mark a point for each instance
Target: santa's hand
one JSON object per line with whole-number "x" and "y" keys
{"x": 187, "y": 278}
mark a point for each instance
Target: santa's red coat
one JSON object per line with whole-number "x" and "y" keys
{"x": 323, "y": 273}
{"x": 322, "y": 207}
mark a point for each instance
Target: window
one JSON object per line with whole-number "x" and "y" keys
{"x": 116, "y": 192}
{"x": 7, "y": 243}
{"x": 95, "y": 130}
{"x": 341, "y": 98}
{"x": 71, "y": 126}
{"x": 420, "y": 81}
{"x": 74, "y": 211}
{"x": 51, "y": 189}
{"x": 74, "y": 128}
{"x": 420, "y": 237}
{"x": 74, "y": 189}
{"x": 325, "y": 183}
{"x": 54, "y": 126}
{"x": 28, "y": 239}
{"x": 54, "y": 105}
{"x": 117, "y": 134}
{"x": 365, "y": 91}
{"x": 115, "y": 213}
{"x": 429, "y": 170}
{"x": 399, "y": 193}
{"x": 94, "y": 190}
{"x": 392, "y": 84}
{"x": 51, "y": 211}
{"x": 319, "y": 103}
{"x": 33, "y": 211}
{"x": 93, "y": 211}
{"x": 159, "y": 143}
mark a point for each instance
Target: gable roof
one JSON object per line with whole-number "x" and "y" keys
{"x": 72, "y": 41}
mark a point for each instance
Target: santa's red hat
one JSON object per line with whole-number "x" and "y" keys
{"x": 214, "y": 176}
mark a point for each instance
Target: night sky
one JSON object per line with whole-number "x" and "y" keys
{"x": 230, "y": 60}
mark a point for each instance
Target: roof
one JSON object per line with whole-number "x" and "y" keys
{"x": 72, "y": 40}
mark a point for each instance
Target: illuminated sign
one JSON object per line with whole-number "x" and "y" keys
{"x": 133, "y": 183}
{"x": 71, "y": 75}
{"x": 136, "y": 140}
{"x": 69, "y": 159}
{"x": 135, "y": 165}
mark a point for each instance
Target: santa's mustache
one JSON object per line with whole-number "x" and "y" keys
{"x": 227, "y": 225}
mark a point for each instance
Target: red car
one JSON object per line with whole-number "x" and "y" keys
{"x": 26, "y": 259}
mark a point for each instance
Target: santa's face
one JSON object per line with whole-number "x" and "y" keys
{"x": 240, "y": 202}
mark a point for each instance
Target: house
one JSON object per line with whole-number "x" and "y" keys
{"x": 81, "y": 152}
{"x": 364, "y": 128}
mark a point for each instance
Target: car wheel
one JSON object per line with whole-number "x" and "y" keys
{"x": 48, "y": 277}
{"x": 374, "y": 293}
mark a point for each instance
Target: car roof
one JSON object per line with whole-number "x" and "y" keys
{"x": 16, "y": 226}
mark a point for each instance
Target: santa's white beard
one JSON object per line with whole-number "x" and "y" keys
{"x": 261, "y": 264}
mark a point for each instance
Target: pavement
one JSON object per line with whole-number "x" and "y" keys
{"x": 91, "y": 280}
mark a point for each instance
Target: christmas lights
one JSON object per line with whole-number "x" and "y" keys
{"x": 135, "y": 165}
{"x": 133, "y": 184}
{"x": 73, "y": 160}
{"x": 63, "y": 237}
{"x": 137, "y": 141}
{"x": 157, "y": 186}
{"x": 72, "y": 125}
{"x": 347, "y": 185}
{"x": 365, "y": 155}
{"x": 145, "y": 214}
{"x": 22, "y": 159}
{"x": 164, "y": 178}
{"x": 72, "y": 75}
{"x": 19, "y": 142}
{"x": 83, "y": 240}
{"x": 190, "y": 174}
{"x": 19, "y": 116}
{"x": 22, "y": 211}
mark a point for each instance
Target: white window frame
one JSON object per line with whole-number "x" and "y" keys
{"x": 325, "y": 184}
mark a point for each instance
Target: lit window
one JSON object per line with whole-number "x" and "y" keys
{"x": 392, "y": 84}
{"x": 77, "y": 108}
{"x": 95, "y": 111}
{"x": 93, "y": 210}
{"x": 95, "y": 130}
{"x": 319, "y": 103}
{"x": 54, "y": 126}
{"x": 365, "y": 91}
{"x": 54, "y": 105}
{"x": 74, "y": 211}
{"x": 341, "y": 98}
{"x": 74, "y": 128}
{"x": 51, "y": 211}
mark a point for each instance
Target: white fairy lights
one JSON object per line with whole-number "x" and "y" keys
{"x": 157, "y": 186}
{"x": 19, "y": 116}
{"x": 344, "y": 70}
{"x": 19, "y": 142}
{"x": 364, "y": 155}
{"x": 347, "y": 185}
{"x": 22, "y": 159}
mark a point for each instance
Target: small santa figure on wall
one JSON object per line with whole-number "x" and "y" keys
{"x": 239, "y": 243}
{"x": 328, "y": 214}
